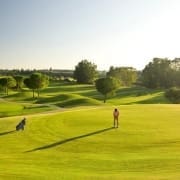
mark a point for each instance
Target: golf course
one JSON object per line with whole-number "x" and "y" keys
{"x": 69, "y": 134}
{"x": 89, "y": 90}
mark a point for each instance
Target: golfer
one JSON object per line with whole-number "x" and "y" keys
{"x": 116, "y": 116}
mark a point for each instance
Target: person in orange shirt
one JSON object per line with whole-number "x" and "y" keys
{"x": 116, "y": 117}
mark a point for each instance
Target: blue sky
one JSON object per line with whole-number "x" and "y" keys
{"x": 60, "y": 33}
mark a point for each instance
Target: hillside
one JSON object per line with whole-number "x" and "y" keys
{"x": 65, "y": 95}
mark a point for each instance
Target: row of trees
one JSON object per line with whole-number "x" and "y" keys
{"x": 86, "y": 72}
{"x": 126, "y": 75}
{"x": 35, "y": 82}
{"x": 161, "y": 73}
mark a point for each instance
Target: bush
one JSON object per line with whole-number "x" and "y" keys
{"x": 173, "y": 94}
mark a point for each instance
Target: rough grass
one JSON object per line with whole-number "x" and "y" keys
{"x": 80, "y": 144}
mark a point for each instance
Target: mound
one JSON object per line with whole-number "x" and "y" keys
{"x": 69, "y": 100}
{"x": 24, "y": 95}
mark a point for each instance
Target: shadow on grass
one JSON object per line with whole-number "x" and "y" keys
{"x": 69, "y": 139}
{"x": 7, "y": 132}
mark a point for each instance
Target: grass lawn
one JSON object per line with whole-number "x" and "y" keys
{"x": 73, "y": 95}
{"x": 80, "y": 143}
{"x": 12, "y": 109}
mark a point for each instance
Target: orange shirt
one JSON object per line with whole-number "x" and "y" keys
{"x": 116, "y": 113}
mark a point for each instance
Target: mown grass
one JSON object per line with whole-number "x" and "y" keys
{"x": 81, "y": 144}
{"x": 78, "y": 142}
{"x": 69, "y": 100}
{"x": 65, "y": 94}
{"x": 74, "y": 95}
{"x": 13, "y": 109}
{"x": 127, "y": 95}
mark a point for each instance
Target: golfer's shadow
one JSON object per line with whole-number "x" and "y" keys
{"x": 6, "y": 132}
{"x": 69, "y": 139}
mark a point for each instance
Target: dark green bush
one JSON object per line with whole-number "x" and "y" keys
{"x": 173, "y": 94}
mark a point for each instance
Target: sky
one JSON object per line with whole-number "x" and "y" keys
{"x": 58, "y": 34}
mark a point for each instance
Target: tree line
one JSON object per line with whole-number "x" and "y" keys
{"x": 35, "y": 82}
{"x": 160, "y": 73}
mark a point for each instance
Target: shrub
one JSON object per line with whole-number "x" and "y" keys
{"x": 173, "y": 94}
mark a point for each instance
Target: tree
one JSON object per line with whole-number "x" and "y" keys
{"x": 19, "y": 81}
{"x": 85, "y": 72}
{"x": 107, "y": 86}
{"x": 36, "y": 82}
{"x": 3, "y": 82}
{"x": 127, "y": 75}
{"x": 158, "y": 74}
{"x": 30, "y": 84}
{"x": 173, "y": 94}
{"x": 175, "y": 65}
{"x": 7, "y": 82}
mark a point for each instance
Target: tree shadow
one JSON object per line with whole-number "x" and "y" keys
{"x": 7, "y": 132}
{"x": 69, "y": 139}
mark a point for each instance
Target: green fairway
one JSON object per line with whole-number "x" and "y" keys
{"x": 13, "y": 109}
{"x": 72, "y": 95}
{"x": 80, "y": 143}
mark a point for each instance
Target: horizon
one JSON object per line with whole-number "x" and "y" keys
{"x": 61, "y": 69}
{"x": 59, "y": 34}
